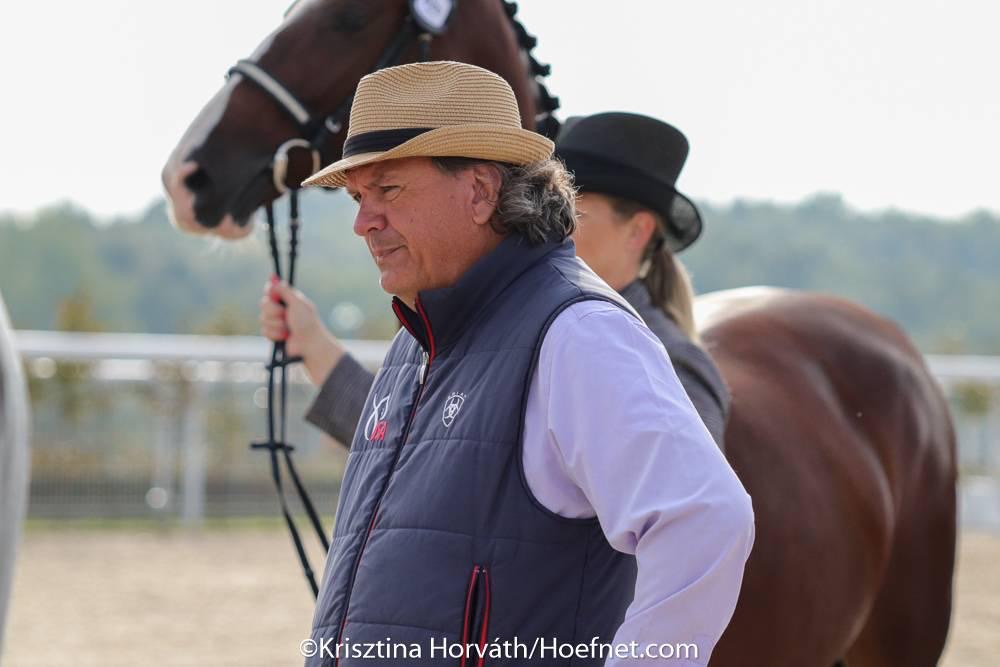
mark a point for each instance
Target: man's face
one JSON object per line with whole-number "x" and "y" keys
{"x": 420, "y": 223}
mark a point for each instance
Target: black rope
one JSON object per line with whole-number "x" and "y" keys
{"x": 293, "y": 226}
{"x": 320, "y": 131}
{"x": 277, "y": 370}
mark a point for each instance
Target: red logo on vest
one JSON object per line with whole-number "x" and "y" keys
{"x": 377, "y": 426}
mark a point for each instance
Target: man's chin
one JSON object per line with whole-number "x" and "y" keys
{"x": 392, "y": 285}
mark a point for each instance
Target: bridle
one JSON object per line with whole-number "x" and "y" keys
{"x": 425, "y": 20}
{"x": 316, "y": 130}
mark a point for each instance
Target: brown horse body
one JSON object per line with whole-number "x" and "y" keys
{"x": 844, "y": 442}
{"x": 837, "y": 429}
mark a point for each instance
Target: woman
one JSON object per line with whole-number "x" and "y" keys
{"x": 631, "y": 222}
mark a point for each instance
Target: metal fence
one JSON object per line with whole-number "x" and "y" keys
{"x": 137, "y": 426}
{"x": 141, "y": 426}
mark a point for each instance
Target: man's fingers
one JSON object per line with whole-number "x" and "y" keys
{"x": 280, "y": 291}
{"x": 269, "y": 309}
{"x": 274, "y": 332}
{"x": 273, "y": 322}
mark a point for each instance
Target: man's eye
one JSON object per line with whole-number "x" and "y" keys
{"x": 389, "y": 189}
{"x": 356, "y": 197}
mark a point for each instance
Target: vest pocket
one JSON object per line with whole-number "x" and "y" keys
{"x": 476, "y": 621}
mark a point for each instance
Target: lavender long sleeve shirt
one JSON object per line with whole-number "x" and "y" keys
{"x": 610, "y": 432}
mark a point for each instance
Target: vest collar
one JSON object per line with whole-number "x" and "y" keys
{"x": 443, "y": 314}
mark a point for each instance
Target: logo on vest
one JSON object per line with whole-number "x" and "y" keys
{"x": 451, "y": 408}
{"x": 376, "y": 426}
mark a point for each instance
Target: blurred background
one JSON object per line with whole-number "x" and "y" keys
{"x": 845, "y": 147}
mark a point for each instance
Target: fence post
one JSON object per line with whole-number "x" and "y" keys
{"x": 193, "y": 448}
{"x": 162, "y": 486}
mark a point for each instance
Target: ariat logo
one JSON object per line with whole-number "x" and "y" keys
{"x": 376, "y": 426}
{"x": 451, "y": 408}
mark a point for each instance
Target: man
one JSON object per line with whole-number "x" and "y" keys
{"x": 527, "y": 466}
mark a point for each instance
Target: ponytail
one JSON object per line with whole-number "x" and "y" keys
{"x": 666, "y": 279}
{"x": 669, "y": 286}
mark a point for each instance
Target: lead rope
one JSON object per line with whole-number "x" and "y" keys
{"x": 277, "y": 369}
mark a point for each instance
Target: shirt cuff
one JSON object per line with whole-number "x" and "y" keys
{"x": 337, "y": 407}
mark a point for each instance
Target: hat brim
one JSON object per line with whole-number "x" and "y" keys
{"x": 596, "y": 173}
{"x": 684, "y": 222}
{"x": 479, "y": 141}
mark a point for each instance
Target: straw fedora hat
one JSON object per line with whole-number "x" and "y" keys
{"x": 434, "y": 109}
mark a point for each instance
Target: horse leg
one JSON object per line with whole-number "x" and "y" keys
{"x": 908, "y": 623}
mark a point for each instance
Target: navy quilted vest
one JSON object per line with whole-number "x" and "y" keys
{"x": 437, "y": 536}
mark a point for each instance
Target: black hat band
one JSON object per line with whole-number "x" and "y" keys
{"x": 379, "y": 141}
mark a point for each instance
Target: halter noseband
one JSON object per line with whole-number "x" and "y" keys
{"x": 315, "y": 130}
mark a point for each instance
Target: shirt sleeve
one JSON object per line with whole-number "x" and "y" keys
{"x": 609, "y": 431}
{"x": 337, "y": 407}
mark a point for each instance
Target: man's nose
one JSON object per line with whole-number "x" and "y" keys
{"x": 368, "y": 219}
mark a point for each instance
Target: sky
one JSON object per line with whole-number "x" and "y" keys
{"x": 893, "y": 103}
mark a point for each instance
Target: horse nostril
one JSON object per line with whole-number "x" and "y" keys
{"x": 197, "y": 180}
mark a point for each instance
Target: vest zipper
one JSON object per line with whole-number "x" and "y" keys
{"x": 428, "y": 359}
{"x": 422, "y": 374}
{"x": 477, "y": 598}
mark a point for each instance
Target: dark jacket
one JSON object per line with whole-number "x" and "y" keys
{"x": 438, "y": 537}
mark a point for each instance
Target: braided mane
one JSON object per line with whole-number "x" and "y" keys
{"x": 545, "y": 122}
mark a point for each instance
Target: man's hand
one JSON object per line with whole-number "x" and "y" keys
{"x": 286, "y": 314}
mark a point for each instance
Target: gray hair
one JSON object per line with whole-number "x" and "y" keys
{"x": 536, "y": 200}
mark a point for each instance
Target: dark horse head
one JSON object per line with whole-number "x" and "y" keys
{"x": 221, "y": 170}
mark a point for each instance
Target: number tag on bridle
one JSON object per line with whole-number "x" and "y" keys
{"x": 432, "y": 15}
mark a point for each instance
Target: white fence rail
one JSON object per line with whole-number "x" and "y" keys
{"x": 157, "y": 407}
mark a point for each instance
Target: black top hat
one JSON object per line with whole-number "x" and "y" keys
{"x": 633, "y": 157}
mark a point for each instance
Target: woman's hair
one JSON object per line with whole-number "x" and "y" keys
{"x": 667, "y": 280}
{"x": 536, "y": 200}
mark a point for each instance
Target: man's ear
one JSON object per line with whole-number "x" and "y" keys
{"x": 486, "y": 182}
{"x": 643, "y": 225}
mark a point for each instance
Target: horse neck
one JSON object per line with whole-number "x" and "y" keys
{"x": 500, "y": 54}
